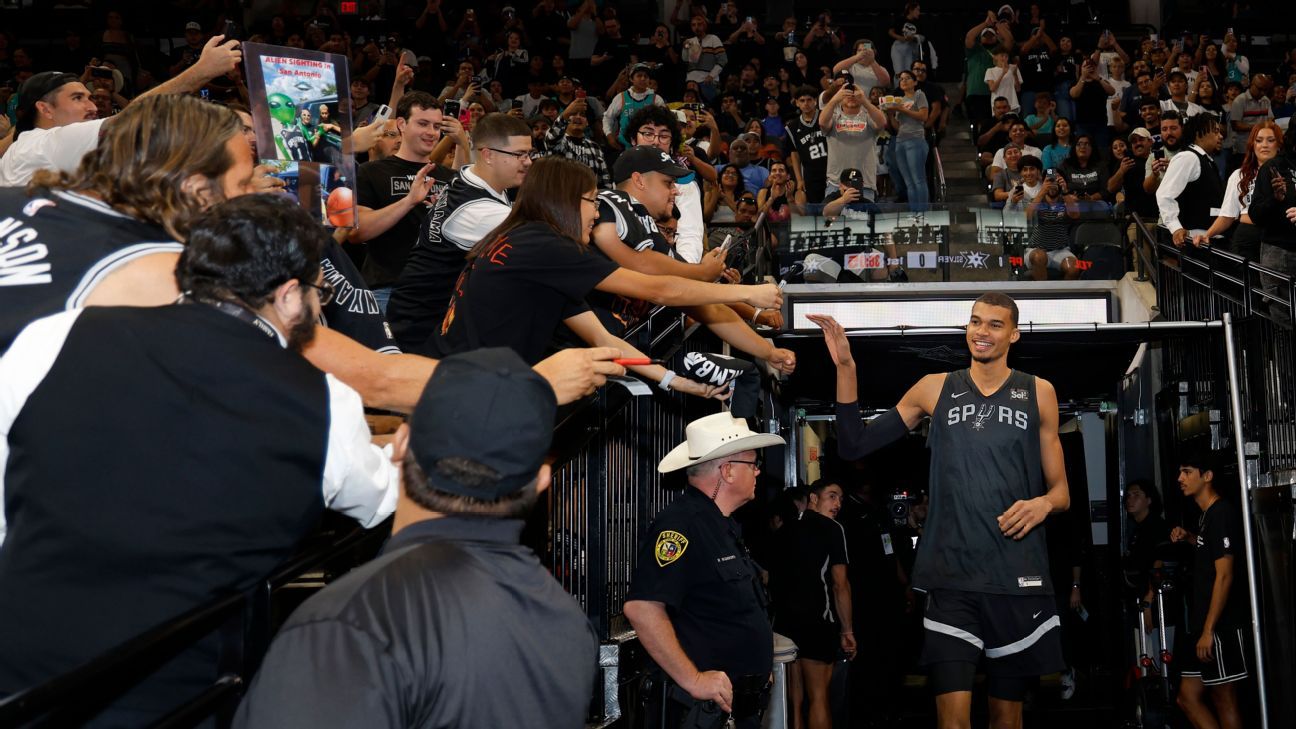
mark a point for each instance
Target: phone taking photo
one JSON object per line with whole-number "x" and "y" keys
{"x": 384, "y": 113}
{"x": 451, "y": 108}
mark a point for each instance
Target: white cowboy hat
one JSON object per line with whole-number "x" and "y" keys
{"x": 712, "y": 437}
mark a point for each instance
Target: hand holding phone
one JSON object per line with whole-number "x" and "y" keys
{"x": 382, "y": 115}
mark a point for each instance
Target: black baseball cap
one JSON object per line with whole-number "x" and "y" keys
{"x": 644, "y": 159}
{"x": 34, "y": 89}
{"x": 851, "y": 177}
{"x": 487, "y": 406}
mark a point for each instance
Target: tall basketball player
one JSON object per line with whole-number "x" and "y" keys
{"x": 996, "y": 474}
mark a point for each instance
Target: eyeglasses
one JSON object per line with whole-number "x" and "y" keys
{"x": 659, "y": 136}
{"x": 325, "y": 290}
{"x": 590, "y": 200}
{"x": 514, "y": 155}
{"x": 390, "y": 135}
{"x": 755, "y": 463}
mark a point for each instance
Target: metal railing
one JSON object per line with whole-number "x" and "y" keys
{"x": 243, "y": 621}
{"x": 1199, "y": 284}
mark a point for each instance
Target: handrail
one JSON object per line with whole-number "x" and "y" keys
{"x": 942, "y": 193}
{"x": 1145, "y": 266}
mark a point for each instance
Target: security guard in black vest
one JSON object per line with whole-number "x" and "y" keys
{"x": 696, "y": 600}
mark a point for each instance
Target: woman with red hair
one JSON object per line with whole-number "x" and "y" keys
{"x": 1263, "y": 145}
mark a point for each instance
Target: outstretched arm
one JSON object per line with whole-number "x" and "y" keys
{"x": 854, "y": 440}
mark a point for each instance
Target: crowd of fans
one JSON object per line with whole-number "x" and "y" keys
{"x": 520, "y": 138}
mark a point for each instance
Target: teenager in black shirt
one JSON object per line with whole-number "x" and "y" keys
{"x": 1213, "y": 651}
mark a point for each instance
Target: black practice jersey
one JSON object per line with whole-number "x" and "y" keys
{"x": 464, "y": 213}
{"x": 808, "y": 141}
{"x": 55, "y": 249}
{"x": 985, "y": 456}
{"x": 637, "y": 229}
{"x": 354, "y": 310}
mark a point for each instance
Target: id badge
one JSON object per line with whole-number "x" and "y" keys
{"x": 887, "y": 549}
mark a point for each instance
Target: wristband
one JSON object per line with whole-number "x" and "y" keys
{"x": 756, "y": 315}
{"x": 666, "y": 380}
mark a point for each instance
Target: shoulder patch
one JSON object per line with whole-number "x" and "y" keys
{"x": 670, "y": 547}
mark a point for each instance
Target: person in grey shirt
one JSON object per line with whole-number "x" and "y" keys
{"x": 911, "y": 140}
{"x": 850, "y": 123}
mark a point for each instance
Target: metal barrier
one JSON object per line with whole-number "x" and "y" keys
{"x": 1197, "y": 284}
{"x": 244, "y": 622}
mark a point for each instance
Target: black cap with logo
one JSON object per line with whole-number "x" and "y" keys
{"x": 644, "y": 159}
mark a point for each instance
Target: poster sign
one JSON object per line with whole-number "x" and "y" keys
{"x": 303, "y": 126}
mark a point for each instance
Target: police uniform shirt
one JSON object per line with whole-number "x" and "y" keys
{"x": 380, "y": 183}
{"x": 693, "y": 561}
{"x": 57, "y": 248}
{"x": 1219, "y": 535}
{"x": 519, "y": 290}
{"x": 354, "y": 309}
{"x": 454, "y": 625}
{"x": 811, "y": 148}
{"x": 985, "y": 457}
{"x": 462, "y": 216}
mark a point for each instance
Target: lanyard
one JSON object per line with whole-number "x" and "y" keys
{"x": 236, "y": 311}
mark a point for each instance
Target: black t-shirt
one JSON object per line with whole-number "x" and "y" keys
{"x": 801, "y": 582}
{"x": 1085, "y": 181}
{"x": 1219, "y": 535}
{"x": 378, "y": 184}
{"x": 1067, "y": 68}
{"x": 519, "y": 290}
{"x": 694, "y": 562}
{"x": 1091, "y": 107}
{"x": 807, "y": 140}
{"x": 1136, "y": 199}
{"x": 354, "y": 310}
{"x": 905, "y": 27}
{"x": 1037, "y": 70}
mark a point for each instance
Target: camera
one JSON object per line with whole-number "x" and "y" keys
{"x": 902, "y": 503}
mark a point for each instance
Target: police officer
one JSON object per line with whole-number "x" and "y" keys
{"x": 696, "y": 600}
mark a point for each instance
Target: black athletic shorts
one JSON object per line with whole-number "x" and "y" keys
{"x": 815, "y": 638}
{"x": 1228, "y": 661}
{"x": 1020, "y": 635}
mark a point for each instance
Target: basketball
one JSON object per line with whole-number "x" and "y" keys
{"x": 340, "y": 208}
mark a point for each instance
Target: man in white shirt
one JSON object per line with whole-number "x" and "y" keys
{"x": 56, "y": 115}
{"x": 1189, "y": 194}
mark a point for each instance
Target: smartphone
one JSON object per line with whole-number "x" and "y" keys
{"x": 451, "y": 108}
{"x": 231, "y": 31}
{"x": 384, "y": 113}
{"x": 1050, "y": 173}
{"x": 868, "y": 45}
{"x": 1154, "y": 37}
{"x": 98, "y": 72}
{"x": 750, "y": 19}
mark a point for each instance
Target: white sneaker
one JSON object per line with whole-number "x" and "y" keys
{"x": 1068, "y": 684}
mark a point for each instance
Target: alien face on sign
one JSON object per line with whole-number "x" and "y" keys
{"x": 282, "y": 108}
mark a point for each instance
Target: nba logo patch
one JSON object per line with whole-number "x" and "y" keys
{"x": 1019, "y": 394}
